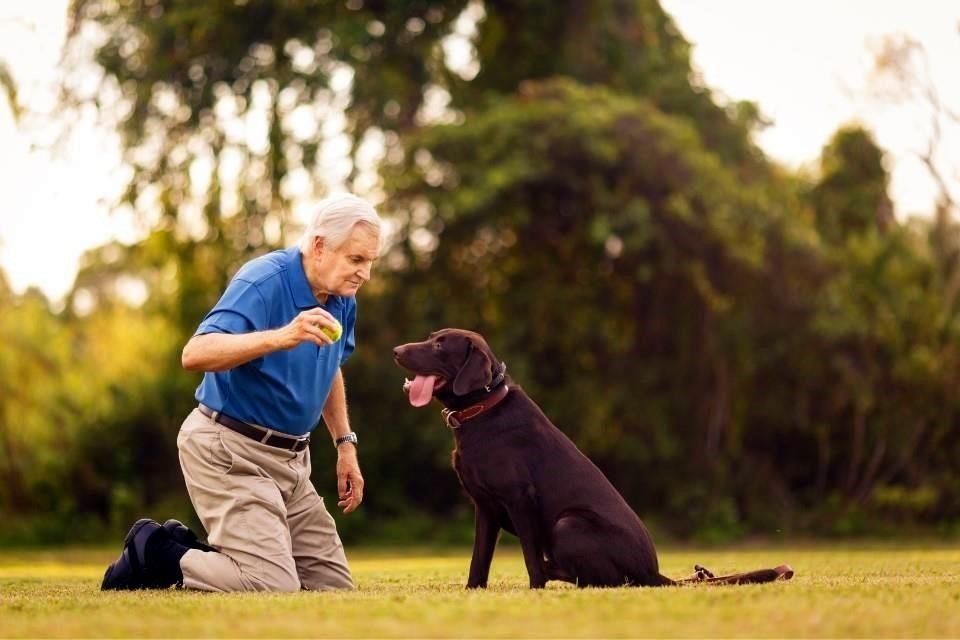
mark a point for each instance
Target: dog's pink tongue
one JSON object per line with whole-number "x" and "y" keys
{"x": 421, "y": 390}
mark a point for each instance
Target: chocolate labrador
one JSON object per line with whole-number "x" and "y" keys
{"x": 526, "y": 477}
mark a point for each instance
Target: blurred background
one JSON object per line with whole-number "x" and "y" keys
{"x": 716, "y": 241}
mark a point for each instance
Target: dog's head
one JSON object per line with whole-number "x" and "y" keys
{"x": 450, "y": 361}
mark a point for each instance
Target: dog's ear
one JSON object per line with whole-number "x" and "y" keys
{"x": 474, "y": 373}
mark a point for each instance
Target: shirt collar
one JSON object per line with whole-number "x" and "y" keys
{"x": 302, "y": 293}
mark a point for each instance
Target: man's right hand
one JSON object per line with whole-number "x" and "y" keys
{"x": 222, "y": 351}
{"x": 306, "y": 327}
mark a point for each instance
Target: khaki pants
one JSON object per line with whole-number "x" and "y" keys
{"x": 261, "y": 512}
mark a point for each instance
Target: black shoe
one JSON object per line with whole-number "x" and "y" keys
{"x": 185, "y": 535}
{"x": 150, "y": 560}
{"x": 128, "y": 572}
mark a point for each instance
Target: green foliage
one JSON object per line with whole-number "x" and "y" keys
{"x": 75, "y": 396}
{"x": 632, "y": 48}
{"x": 851, "y": 195}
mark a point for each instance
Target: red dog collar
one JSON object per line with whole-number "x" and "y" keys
{"x": 455, "y": 419}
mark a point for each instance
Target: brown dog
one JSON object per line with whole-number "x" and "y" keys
{"x": 525, "y": 476}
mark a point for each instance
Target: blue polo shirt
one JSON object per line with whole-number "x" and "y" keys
{"x": 283, "y": 390}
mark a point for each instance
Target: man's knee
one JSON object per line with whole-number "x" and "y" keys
{"x": 234, "y": 571}
{"x": 332, "y": 581}
{"x": 278, "y": 583}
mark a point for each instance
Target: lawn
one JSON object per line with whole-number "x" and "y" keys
{"x": 839, "y": 591}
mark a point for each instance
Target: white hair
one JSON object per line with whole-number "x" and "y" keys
{"x": 335, "y": 217}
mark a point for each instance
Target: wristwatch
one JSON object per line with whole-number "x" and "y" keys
{"x": 349, "y": 437}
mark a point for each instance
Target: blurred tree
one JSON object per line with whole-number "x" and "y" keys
{"x": 892, "y": 364}
{"x": 901, "y": 75}
{"x": 608, "y": 252}
{"x": 10, "y": 88}
{"x": 851, "y": 194}
{"x": 69, "y": 390}
{"x": 883, "y": 322}
{"x": 711, "y": 337}
{"x": 632, "y": 47}
{"x": 28, "y": 338}
{"x": 250, "y": 107}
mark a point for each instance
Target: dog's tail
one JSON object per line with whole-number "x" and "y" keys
{"x": 703, "y": 575}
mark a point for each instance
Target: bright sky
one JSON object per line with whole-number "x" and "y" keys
{"x": 803, "y": 61}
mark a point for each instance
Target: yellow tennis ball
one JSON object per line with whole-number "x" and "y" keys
{"x": 335, "y": 333}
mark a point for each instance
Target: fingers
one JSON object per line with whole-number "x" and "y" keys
{"x": 352, "y": 495}
{"x": 348, "y": 504}
{"x": 356, "y": 490}
{"x": 319, "y": 318}
{"x": 312, "y": 323}
{"x": 352, "y": 498}
{"x": 314, "y": 334}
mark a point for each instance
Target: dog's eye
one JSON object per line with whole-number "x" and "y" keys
{"x": 437, "y": 346}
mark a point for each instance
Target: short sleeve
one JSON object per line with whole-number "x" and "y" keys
{"x": 241, "y": 309}
{"x": 350, "y": 340}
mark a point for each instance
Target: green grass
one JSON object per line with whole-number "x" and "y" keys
{"x": 839, "y": 591}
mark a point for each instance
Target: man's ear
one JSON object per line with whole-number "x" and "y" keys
{"x": 475, "y": 372}
{"x": 318, "y": 245}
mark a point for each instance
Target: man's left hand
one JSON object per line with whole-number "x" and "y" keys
{"x": 349, "y": 479}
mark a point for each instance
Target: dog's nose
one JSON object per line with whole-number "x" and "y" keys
{"x": 396, "y": 352}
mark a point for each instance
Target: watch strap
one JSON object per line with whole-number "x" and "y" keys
{"x": 348, "y": 437}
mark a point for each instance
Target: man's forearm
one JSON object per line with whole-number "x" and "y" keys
{"x": 335, "y": 410}
{"x": 222, "y": 351}
{"x": 349, "y": 478}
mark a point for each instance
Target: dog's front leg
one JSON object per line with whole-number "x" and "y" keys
{"x": 485, "y": 535}
{"x": 532, "y": 543}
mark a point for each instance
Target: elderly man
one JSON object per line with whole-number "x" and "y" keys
{"x": 271, "y": 352}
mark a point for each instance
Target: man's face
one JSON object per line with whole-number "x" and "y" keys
{"x": 343, "y": 270}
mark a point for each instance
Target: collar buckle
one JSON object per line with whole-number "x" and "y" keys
{"x": 455, "y": 419}
{"x": 450, "y": 419}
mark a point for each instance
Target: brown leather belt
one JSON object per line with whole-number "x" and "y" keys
{"x": 265, "y": 436}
